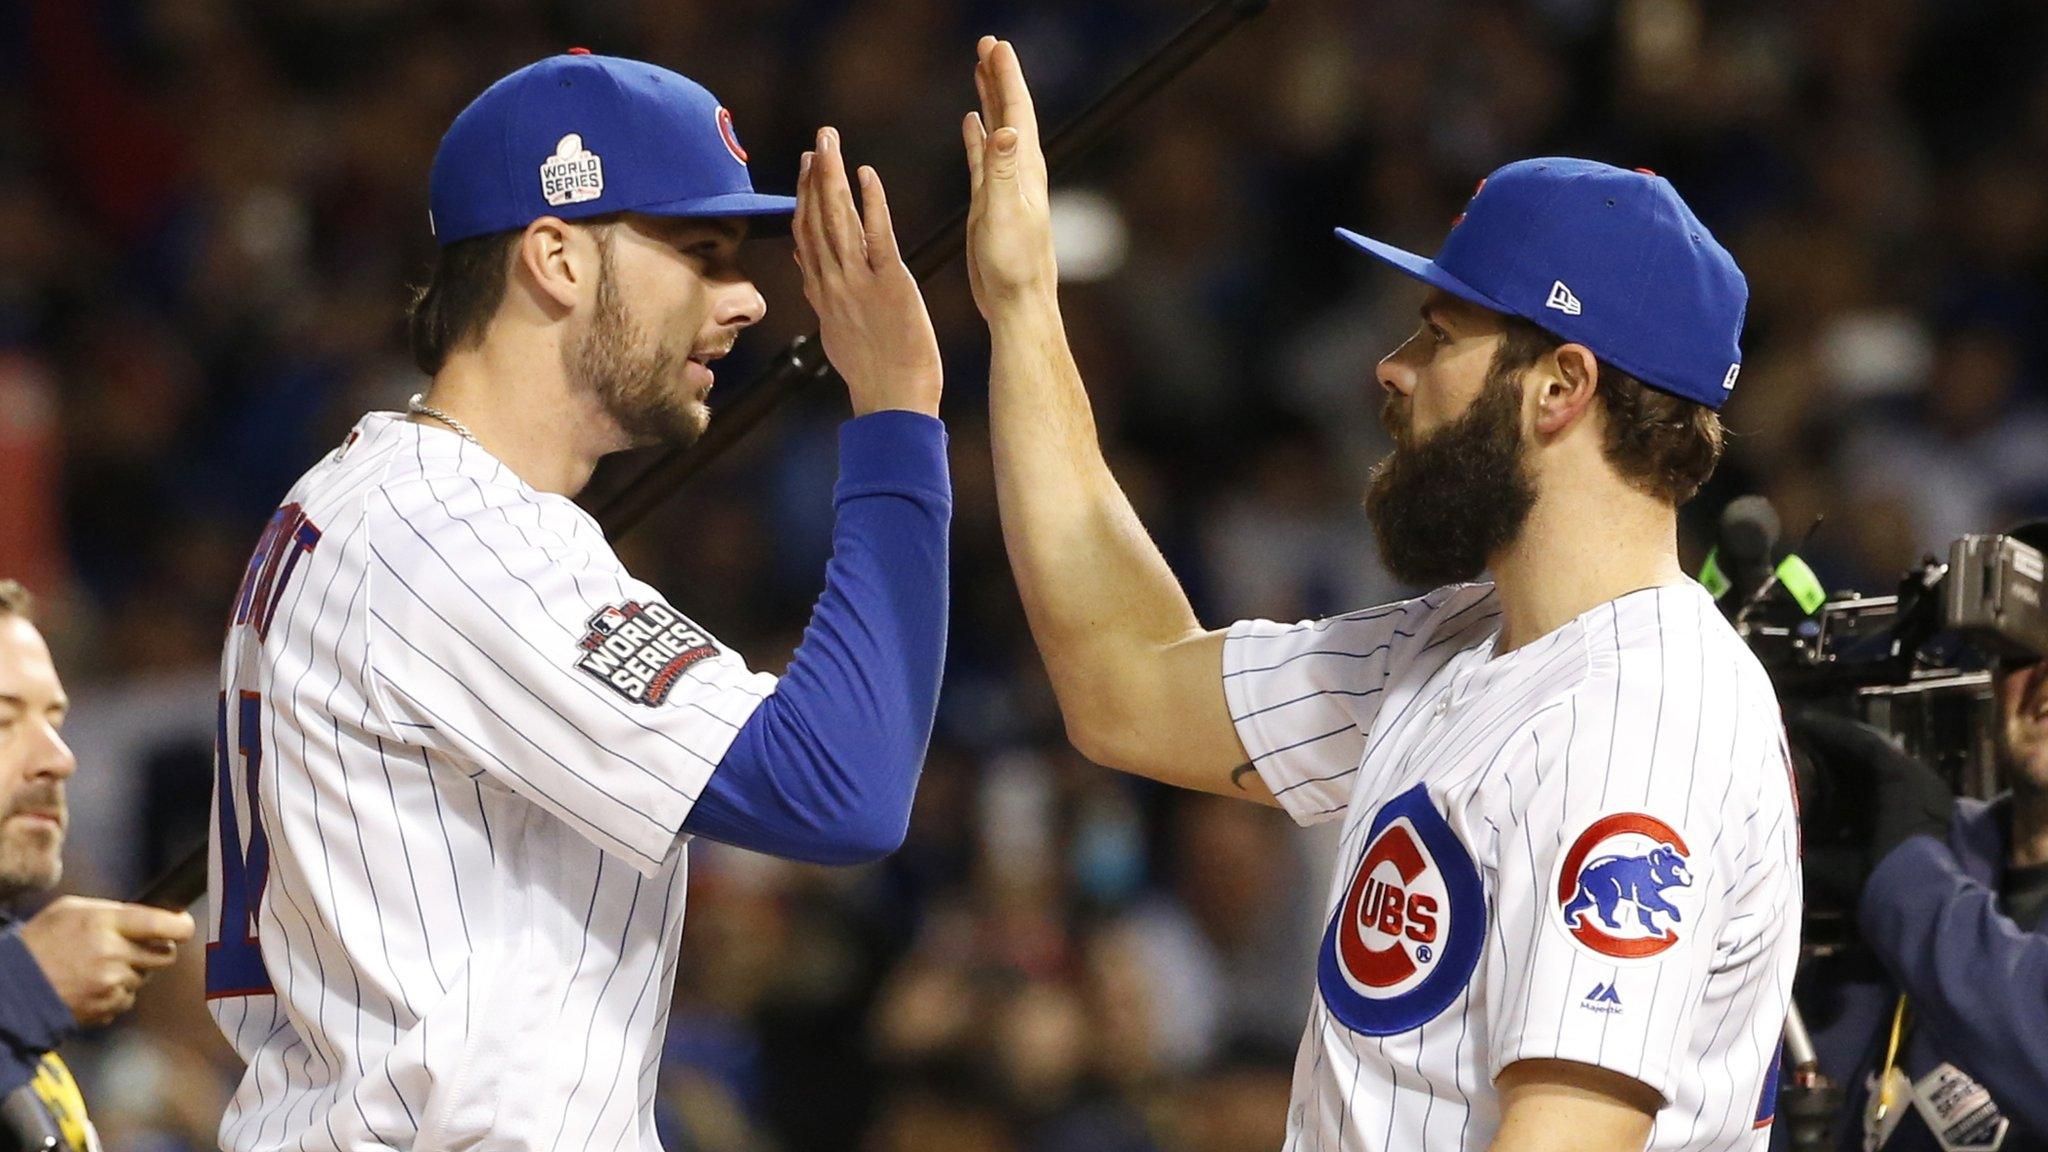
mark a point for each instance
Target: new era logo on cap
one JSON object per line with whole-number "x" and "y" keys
{"x": 1561, "y": 298}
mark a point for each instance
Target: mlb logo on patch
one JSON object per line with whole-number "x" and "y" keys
{"x": 572, "y": 175}
{"x": 1625, "y": 888}
{"x": 1403, "y": 942}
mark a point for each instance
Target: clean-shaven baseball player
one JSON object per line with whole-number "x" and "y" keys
{"x": 460, "y": 746}
{"x": 1566, "y": 905}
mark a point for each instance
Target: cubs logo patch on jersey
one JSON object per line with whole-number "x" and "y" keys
{"x": 1625, "y": 888}
{"x": 640, "y": 649}
{"x": 1407, "y": 934}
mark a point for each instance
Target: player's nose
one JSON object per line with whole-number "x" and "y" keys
{"x": 1394, "y": 375}
{"x": 740, "y": 305}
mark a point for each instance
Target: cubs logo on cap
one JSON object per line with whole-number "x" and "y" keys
{"x": 731, "y": 138}
{"x": 1624, "y": 889}
{"x": 1403, "y": 942}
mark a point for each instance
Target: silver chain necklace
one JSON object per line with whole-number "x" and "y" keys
{"x": 418, "y": 406}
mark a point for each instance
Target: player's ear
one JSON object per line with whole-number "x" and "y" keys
{"x": 1568, "y": 379}
{"x": 549, "y": 258}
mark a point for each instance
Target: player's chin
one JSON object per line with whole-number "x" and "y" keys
{"x": 677, "y": 425}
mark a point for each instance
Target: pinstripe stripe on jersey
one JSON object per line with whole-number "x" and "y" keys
{"x": 459, "y": 865}
{"x": 1519, "y": 752}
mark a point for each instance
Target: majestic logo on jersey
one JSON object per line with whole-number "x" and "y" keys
{"x": 572, "y": 175}
{"x": 1619, "y": 887}
{"x": 1603, "y": 999}
{"x": 640, "y": 650}
{"x": 1405, "y": 938}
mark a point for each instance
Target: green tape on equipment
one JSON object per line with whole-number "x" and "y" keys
{"x": 1711, "y": 578}
{"x": 1799, "y": 580}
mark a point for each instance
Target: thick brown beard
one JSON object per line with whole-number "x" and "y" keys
{"x": 634, "y": 375}
{"x": 1440, "y": 507}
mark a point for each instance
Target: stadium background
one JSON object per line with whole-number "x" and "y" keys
{"x": 209, "y": 211}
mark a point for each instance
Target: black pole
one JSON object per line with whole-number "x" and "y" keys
{"x": 803, "y": 360}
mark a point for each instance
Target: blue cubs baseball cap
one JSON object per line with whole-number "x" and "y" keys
{"x": 1601, "y": 256}
{"x": 579, "y": 135}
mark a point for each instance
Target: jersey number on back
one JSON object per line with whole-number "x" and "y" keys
{"x": 234, "y": 963}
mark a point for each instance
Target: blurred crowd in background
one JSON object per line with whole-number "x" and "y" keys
{"x": 210, "y": 211}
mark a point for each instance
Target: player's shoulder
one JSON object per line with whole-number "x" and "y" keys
{"x": 1453, "y": 607}
{"x": 439, "y": 483}
{"x": 1669, "y": 633}
{"x": 1672, "y": 691}
{"x": 1371, "y": 646}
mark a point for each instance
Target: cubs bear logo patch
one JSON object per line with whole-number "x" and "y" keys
{"x": 640, "y": 650}
{"x": 1404, "y": 940}
{"x": 1624, "y": 889}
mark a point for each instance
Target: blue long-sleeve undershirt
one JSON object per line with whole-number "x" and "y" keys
{"x": 825, "y": 769}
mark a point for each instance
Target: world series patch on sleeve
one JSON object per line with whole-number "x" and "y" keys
{"x": 638, "y": 650}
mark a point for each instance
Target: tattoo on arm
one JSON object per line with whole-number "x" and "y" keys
{"x": 1238, "y": 774}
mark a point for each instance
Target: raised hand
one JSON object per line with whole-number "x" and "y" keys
{"x": 1009, "y": 224}
{"x": 97, "y": 953}
{"x": 870, "y": 314}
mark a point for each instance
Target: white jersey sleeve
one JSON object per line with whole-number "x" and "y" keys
{"x": 1304, "y": 697}
{"x": 1641, "y": 861}
{"x": 506, "y": 636}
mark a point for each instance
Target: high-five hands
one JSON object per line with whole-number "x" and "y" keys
{"x": 1009, "y": 222}
{"x": 870, "y": 314}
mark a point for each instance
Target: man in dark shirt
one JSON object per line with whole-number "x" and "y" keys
{"x": 77, "y": 961}
{"x": 1955, "y": 922}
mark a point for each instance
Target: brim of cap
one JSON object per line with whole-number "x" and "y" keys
{"x": 1421, "y": 268}
{"x": 730, "y": 204}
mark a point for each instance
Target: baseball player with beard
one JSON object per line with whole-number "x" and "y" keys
{"x": 1566, "y": 903}
{"x": 460, "y": 747}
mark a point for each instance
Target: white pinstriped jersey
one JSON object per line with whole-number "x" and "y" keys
{"x": 457, "y": 744}
{"x": 1585, "y": 849}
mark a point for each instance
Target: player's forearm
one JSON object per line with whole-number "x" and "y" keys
{"x": 1565, "y": 1106}
{"x": 826, "y": 768}
{"x": 1102, "y": 603}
